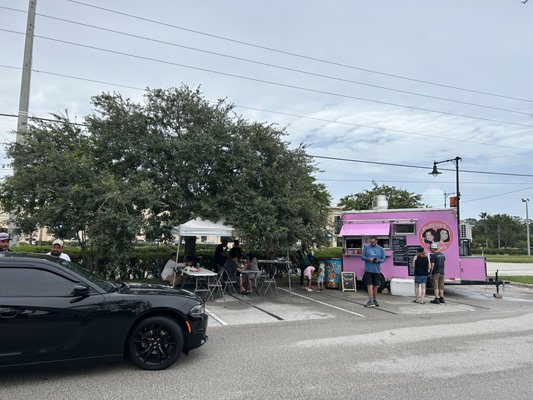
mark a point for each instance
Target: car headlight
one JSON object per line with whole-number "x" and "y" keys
{"x": 197, "y": 310}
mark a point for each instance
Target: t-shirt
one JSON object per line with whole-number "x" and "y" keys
{"x": 437, "y": 259}
{"x": 309, "y": 271}
{"x": 169, "y": 268}
{"x": 62, "y": 255}
{"x": 421, "y": 266}
{"x": 321, "y": 270}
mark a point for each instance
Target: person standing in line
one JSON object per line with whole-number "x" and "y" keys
{"x": 57, "y": 250}
{"x": 437, "y": 261}
{"x": 421, "y": 263}
{"x": 373, "y": 255}
{"x": 220, "y": 255}
{"x": 320, "y": 276}
{"x": 4, "y": 243}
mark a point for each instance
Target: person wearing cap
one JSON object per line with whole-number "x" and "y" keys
{"x": 421, "y": 263}
{"x": 437, "y": 261}
{"x": 373, "y": 255}
{"x": 4, "y": 243}
{"x": 57, "y": 250}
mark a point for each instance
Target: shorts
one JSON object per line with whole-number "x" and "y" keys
{"x": 437, "y": 280}
{"x": 319, "y": 279}
{"x": 372, "y": 278}
{"x": 421, "y": 279}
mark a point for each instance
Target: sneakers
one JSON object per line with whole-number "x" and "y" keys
{"x": 376, "y": 302}
{"x": 441, "y": 300}
{"x": 435, "y": 301}
{"x": 370, "y": 304}
{"x": 309, "y": 289}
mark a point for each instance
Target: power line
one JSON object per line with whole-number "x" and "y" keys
{"x": 416, "y": 166}
{"x": 274, "y": 65}
{"x": 447, "y": 139}
{"x": 497, "y": 195}
{"x": 440, "y": 181}
{"x": 298, "y": 55}
{"x": 268, "y": 82}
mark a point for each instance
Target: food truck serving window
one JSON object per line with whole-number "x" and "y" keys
{"x": 404, "y": 229}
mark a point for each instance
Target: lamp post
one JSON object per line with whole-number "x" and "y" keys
{"x": 436, "y": 172}
{"x": 527, "y": 226}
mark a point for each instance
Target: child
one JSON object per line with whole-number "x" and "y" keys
{"x": 308, "y": 274}
{"x": 320, "y": 276}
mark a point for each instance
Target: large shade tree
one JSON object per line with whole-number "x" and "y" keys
{"x": 148, "y": 166}
{"x": 397, "y": 198}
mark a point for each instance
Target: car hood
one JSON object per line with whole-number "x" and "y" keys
{"x": 154, "y": 289}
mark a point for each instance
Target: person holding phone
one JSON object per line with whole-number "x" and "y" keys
{"x": 373, "y": 255}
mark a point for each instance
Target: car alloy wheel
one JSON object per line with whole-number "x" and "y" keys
{"x": 156, "y": 343}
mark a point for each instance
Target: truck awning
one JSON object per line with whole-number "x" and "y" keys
{"x": 382, "y": 229}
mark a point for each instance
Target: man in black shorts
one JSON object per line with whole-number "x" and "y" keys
{"x": 373, "y": 255}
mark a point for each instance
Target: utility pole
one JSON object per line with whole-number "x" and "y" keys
{"x": 24, "y": 100}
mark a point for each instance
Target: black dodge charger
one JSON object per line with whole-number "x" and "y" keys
{"x": 52, "y": 310}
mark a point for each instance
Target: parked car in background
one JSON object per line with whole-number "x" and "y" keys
{"x": 52, "y": 311}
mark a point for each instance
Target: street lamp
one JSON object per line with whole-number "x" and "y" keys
{"x": 527, "y": 226}
{"x": 436, "y": 172}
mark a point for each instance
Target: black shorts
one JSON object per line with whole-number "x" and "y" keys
{"x": 372, "y": 278}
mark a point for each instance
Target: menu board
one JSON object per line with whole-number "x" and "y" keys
{"x": 348, "y": 281}
{"x": 399, "y": 251}
{"x": 411, "y": 253}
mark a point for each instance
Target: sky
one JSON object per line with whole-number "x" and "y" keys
{"x": 369, "y": 86}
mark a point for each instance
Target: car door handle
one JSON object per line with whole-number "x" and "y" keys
{"x": 8, "y": 313}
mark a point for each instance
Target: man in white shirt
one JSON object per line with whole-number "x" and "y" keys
{"x": 169, "y": 269}
{"x": 57, "y": 250}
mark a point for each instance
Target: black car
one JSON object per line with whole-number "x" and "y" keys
{"x": 52, "y": 310}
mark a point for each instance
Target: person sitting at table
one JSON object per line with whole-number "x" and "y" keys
{"x": 232, "y": 268}
{"x": 168, "y": 274}
{"x": 249, "y": 274}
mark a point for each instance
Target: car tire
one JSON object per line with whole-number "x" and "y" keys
{"x": 155, "y": 343}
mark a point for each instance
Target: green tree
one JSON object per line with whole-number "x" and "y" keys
{"x": 147, "y": 167}
{"x": 397, "y": 198}
{"x": 498, "y": 231}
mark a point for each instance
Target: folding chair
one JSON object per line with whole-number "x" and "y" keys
{"x": 216, "y": 286}
{"x": 228, "y": 282}
{"x": 270, "y": 279}
{"x": 256, "y": 280}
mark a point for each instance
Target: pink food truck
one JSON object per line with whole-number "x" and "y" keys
{"x": 400, "y": 232}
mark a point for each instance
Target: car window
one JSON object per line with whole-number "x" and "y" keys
{"x": 30, "y": 282}
{"x": 100, "y": 282}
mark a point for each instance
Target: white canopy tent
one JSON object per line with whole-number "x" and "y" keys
{"x": 201, "y": 227}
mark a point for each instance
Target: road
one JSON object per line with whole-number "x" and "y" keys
{"x": 327, "y": 346}
{"x": 510, "y": 269}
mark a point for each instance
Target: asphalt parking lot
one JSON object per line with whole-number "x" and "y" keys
{"x": 298, "y": 304}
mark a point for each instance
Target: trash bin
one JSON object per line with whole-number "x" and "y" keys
{"x": 332, "y": 280}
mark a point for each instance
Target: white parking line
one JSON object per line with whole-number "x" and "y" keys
{"x": 215, "y": 317}
{"x": 324, "y": 304}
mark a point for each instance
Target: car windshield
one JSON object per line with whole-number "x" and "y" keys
{"x": 98, "y": 281}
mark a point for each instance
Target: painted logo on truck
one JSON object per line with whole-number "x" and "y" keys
{"x": 436, "y": 232}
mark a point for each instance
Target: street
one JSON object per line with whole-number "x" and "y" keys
{"x": 327, "y": 346}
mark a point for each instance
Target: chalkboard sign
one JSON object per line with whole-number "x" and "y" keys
{"x": 399, "y": 251}
{"x": 348, "y": 282}
{"x": 411, "y": 252}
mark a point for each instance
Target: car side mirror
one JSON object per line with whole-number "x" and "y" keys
{"x": 80, "y": 290}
